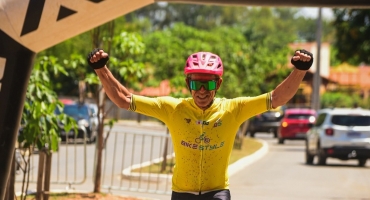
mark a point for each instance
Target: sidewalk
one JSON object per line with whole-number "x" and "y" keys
{"x": 88, "y": 186}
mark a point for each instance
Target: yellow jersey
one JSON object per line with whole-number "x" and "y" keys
{"x": 202, "y": 140}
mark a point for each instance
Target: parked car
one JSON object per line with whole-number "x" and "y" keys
{"x": 84, "y": 118}
{"x": 268, "y": 121}
{"x": 94, "y": 113}
{"x": 339, "y": 133}
{"x": 295, "y": 124}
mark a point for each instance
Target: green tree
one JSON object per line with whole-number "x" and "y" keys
{"x": 164, "y": 15}
{"x": 341, "y": 99}
{"x": 206, "y": 17}
{"x": 40, "y": 124}
{"x": 247, "y": 63}
{"x": 352, "y": 35}
{"x": 261, "y": 54}
{"x": 123, "y": 48}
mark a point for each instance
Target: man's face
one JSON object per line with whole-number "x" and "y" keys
{"x": 203, "y": 97}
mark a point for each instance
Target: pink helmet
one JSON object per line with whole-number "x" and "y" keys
{"x": 204, "y": 62}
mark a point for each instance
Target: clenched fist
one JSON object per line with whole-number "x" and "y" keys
{"x": 97, "y": 58}
{"x": 302, "y": 59}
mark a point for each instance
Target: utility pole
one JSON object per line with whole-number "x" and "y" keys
{"x": 317, "y": 77}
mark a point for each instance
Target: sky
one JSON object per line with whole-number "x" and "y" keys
{"x": 313, "y": 12}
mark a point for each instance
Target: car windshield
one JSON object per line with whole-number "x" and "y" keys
{"x": 76, "y": 110}
{"x": 351, "y": 120}
{"x": 299, "y": 116}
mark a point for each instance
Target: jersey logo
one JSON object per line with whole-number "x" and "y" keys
{"x": 187, "y": 120}
{"x": 204, "y": 138}
{"x": 202, "y": 143}
{"x": 217, "y": 123}
{"x": 201, "y": 122}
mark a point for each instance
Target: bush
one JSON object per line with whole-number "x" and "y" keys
{"x": 341, "y": 100}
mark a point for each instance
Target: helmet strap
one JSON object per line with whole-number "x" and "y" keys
{"x": 188, "y": 83}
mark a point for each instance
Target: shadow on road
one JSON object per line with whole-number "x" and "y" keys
{"x": 336, "y": 165}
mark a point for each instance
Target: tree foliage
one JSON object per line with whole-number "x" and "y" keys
{"x": 352, "y": 35}
{"x": 245, "y": 37}
{"x": 249, "y": 53}
{"x": 341, "y": 100}
{"x": 125, "y": 57}
{"x": 207, "y": 17}
{"x": 41, "y": 125}
{"x": 40, "y": 122}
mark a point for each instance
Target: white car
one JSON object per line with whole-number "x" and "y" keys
{"x": 342, "y": 133}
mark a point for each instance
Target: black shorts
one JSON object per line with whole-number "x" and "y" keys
{"x": 214, "y": 195}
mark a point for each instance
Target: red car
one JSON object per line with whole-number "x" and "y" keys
{"x": 295, "y": 124}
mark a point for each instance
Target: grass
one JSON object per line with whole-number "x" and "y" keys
{"x": 248, "y": 147}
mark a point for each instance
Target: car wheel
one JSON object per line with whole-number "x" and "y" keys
{"x": 280, "y": 140}
{"x": 63, "y": 138}
{"x": 309, "y": 157}
{"x": 362, "y": 162}
{"x": 275, "y": 133}
{"x": 321, "y": 157}
{"x": 252, "y": 134}
{"x": 92, "y": 138}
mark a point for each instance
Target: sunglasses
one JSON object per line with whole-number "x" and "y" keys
{"x": 208, "y": 85}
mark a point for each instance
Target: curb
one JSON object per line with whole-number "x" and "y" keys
{"x": 127, "y": 174}
{"x": 248, "y": 160}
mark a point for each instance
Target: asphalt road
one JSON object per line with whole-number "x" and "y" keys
{"x": 282, "y": 174}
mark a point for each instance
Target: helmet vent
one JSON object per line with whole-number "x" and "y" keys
{"x": 204, "y": 62}
{"x": 203, "y": 56}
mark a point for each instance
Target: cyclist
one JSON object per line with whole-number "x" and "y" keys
{"x": 202, "y": 127}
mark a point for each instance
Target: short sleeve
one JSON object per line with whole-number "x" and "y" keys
{"x": 157, "y": 107}
{"x": 248, "y": 107}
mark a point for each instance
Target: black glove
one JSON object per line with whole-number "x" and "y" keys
{"x": 97, "y": 65}
{"x": 300, "y": 64}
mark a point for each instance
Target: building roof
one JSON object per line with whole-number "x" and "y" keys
{"x": 351, "y": 76}
{"x": 164, "y": 89}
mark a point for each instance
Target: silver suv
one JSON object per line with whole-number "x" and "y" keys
{"x": 339, "y": 133}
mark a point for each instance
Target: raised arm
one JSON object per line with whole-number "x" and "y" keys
{"x": 117, "y": 93}
{"x": 302, "y": 60}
